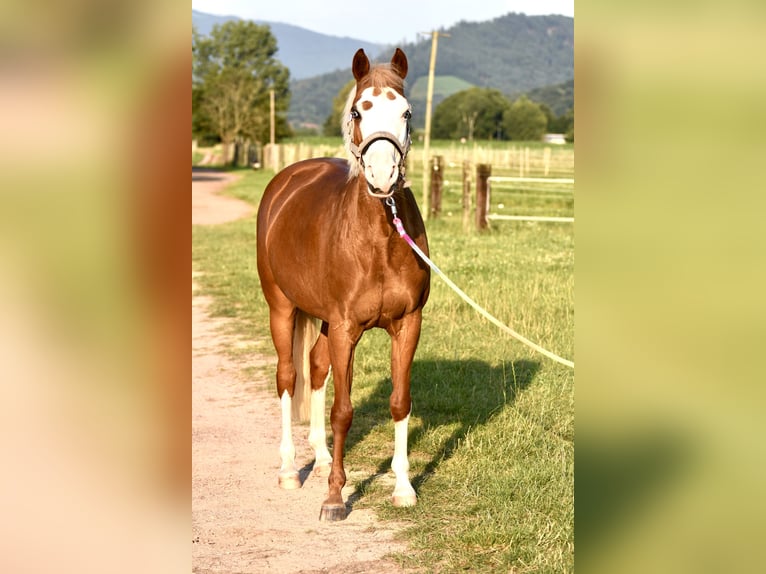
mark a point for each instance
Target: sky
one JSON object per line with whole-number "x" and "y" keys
{"x": 379, "y": 21}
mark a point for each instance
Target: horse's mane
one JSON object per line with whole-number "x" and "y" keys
{"x": 380, "y": 76}
{"x": 383, "y": 76}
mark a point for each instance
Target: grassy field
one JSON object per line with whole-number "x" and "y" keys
{"x": 492, "y": 428}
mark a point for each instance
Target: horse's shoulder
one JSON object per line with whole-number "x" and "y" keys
{"x": 329, "y": 164}
{"x": 316, "y": 179}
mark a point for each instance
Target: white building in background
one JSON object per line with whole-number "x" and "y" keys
{"x": 557, "y": 139}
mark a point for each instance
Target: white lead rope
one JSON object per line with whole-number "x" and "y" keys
{"x": 400, "y": 228}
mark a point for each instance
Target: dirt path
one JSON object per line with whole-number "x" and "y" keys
{"x": 208, "y": 206}
{"x": 241, "y": 521}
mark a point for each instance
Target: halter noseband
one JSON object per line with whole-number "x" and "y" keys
{"x": 358, "y": 151}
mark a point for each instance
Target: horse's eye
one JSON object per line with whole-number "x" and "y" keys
{"x": 355, "y": 114}
{"x": 407, "y": 115}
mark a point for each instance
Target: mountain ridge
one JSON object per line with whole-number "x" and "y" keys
{"x": 304, "y": 52}
{"x": 513, "y": 53}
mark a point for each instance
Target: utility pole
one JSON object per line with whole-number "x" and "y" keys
{"x": 272, "y": 130}
{"x": 427, "y": 139}
{"x": 272, "y": 117}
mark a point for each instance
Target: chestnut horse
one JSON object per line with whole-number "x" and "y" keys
{"x": 328, "y": 252}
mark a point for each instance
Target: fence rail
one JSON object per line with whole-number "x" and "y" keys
{"x": 525, "y": 161}
{"x": 544, "y": 169}
{"x": 516, "y": 160}
{"x": 530, "y": 218}
{"x": 532, "y": 179}
{"x": 485, "y": 179}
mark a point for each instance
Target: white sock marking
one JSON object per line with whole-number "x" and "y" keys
{"x": 286, "y": 447}
{"x": 317, "y": 434}
{"x": 400, "y": 465}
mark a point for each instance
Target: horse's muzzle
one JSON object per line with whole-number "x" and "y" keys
{"x": 377, "y": 192}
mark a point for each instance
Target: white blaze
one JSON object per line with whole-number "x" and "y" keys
{"x": 385, "y": 114}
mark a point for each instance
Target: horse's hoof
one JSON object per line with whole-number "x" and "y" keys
{"x": 332, "y": 512}
{"x": 402, "y": 500}
{"x": 289, "y": 481}
{"x": 322, "y": 471}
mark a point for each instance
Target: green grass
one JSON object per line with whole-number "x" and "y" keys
{"x": 492, "y": 428}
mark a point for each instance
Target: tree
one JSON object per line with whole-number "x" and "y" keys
{"x": 476, "y": 113}
{"x": 550, "y": 117}
{"x": 562, "y": 123}
{"x": 201, "y": 128}
{"x": 332, "y": 123}
{"x": 233, "y": 71}
{"x": 569, "y": 132}
{"x": 525, "y": 120}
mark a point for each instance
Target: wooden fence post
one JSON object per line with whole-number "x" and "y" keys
{"x": 437, "y": 179}
{"x": 276, "y": 159}
{"x": 268, "y": 156}
{"x": 483, "y": 172}
{"x": 241, "y": 148}
{"x": 466, "y": 195}
{"x": 546, "y": 160}
{"x": 526, "y": 160}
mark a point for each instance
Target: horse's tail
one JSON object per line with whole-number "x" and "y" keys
{"x": 305, "y": 336}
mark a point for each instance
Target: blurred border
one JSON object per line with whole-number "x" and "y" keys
{"x": 95, "y": 264}
{"x": 94, "y": 256}
{"x": 670, "y": 312}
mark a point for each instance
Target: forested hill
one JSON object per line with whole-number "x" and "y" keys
{"x": 514, "y": 53}
{"x": 559, "y": 97}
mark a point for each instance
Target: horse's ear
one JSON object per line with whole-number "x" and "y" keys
{"x": 361, "y": 65}
{"x": 399, "y": 63}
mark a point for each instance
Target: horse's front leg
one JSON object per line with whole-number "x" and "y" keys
{"x": 405, "y": 334}
{"x": 342, "y": 341}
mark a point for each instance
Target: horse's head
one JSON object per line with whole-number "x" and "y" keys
{"x": 376, "y": 126}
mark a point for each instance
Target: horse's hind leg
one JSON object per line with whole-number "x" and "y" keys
{"x": 282, "y": 322}
{"x": 404, "y": 340}
{"x": 320, "y": 374}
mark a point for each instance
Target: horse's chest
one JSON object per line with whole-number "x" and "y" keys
{"x": 359, "y": 277}
{"x": 375, "y": 280}
{"x": 393, "y": 289}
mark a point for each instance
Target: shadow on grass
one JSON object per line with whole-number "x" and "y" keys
{"x": 463, "y": 394}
